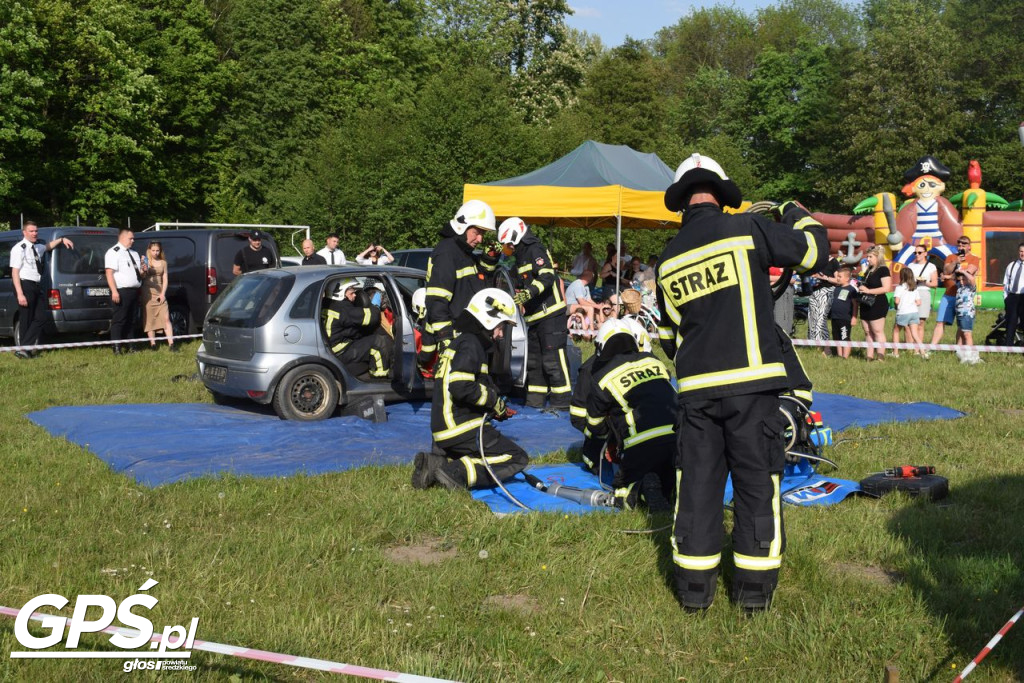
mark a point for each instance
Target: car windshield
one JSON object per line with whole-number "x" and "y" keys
{"x": 251, "y": 301}
{"x": 87, "y": 256}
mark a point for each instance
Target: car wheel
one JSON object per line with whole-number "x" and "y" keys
{"x": 179, "y": 320}
{"x": 17, "y": 331}
{"x": 306, "y": 393}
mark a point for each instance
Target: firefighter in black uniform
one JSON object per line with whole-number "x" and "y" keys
{"x": 717, "y": 325}
{"x": 354, "y": 332}
{"x": 540, "y": 295}
{"x": 426, "y": 344}
{"x": 454, "y": 273}
{"x": 593, "y": 448}
{"x": 631, "y": 404}
{"x": 464, "y": 395}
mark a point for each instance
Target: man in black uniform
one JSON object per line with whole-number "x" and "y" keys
{"x": 631, "y": 405}
{"x": 540, "y": 295}
{"x": 454, "y": 273}
{"x": 309, "y": 255}
{"x": 464, "y": 394}
{"x": 355, "y": 334}
{"x": 717, "y": 324}
{"x": 254, "y": 257}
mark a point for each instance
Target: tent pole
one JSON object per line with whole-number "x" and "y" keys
{"x": 618, "y": 253}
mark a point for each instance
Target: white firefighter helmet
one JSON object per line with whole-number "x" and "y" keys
{"x": 698, "y": 169}
{"x": 491, "y": 307}
{"x": 475, "y": 213}
{"x": 643, "y": 338}
{"x": 511, "y": 230}
{"x": 610, "y": 329}
{"x": 342, "y": 287}
{"x": 419, "y": 302}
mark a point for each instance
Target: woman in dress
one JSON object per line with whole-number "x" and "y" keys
{"x": 873, "y": 304}
{"x": 156, "y": 314}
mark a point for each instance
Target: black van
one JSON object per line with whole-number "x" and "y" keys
{"x": 74, "y": 280}
{"x": 199, "y": 265}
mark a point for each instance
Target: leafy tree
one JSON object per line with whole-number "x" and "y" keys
{"x": 899, "y": 103}
{"x": 622, "y": 97}
{"x": 718, "y": 37}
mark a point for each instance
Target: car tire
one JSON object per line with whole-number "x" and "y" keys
{"x": 16, "y": 331}
{"x": 930, "y": 486}
{"x": 179, "y": 319}
{"x": 306, "y": 394}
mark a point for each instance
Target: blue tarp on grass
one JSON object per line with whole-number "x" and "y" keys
{"x": 183, "y": 441}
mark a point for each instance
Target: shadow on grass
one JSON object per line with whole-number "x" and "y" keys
{"x": 966, "y": 557}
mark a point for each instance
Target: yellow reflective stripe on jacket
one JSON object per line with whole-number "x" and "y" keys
{"x": 743, "y": 242}
{"x": 461, "y": 376}
{"x": 366, "y": 316}
{"x": 595, "y": 420}
{"x": 468, "y": 271}
{"x": 752, "y": 339}
{"x": 438, "y": 326}
{"x": 439, "y": 292}
{"x": 811, "y": 256}
{"x": 457, "y": 430}
{"x": 766, "y": 371}
{"x": 647, "y": 435}
{"x": 804, "y": 222}
{"x": 544, "y": 312}
{"x": 697, "y": 562}
{"x": 340, "y": 346}
{"x": 525, "y": 268}
{"x": 577, "y": 411}
{"x": 332, "y": 317}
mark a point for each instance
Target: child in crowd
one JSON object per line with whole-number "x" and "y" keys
{"x": 965, "y": 289}
{"x": 843, "y": 311}
{"x": 908, "y": 305}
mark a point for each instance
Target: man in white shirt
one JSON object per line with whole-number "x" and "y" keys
{"x": 1013, "y": 295}
{"x": 577, "y": 299}
{"x": 27, "y": 271}
{"x": 124, "y": 269}
{"x": 331, "y": 253}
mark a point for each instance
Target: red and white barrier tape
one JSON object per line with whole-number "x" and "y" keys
{"x": 105, "y": 342}
{"x": 988, "y": 648}
{"x": 903, "y": 345}
{"x": 266, "y": 656}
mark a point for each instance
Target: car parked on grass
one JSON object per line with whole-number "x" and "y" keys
{"x": 264, "y": 341}
{"x": 73, "y": 279}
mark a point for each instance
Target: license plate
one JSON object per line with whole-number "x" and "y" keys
{"x": 97, "y": 291}
{"x": 216, "y": 373}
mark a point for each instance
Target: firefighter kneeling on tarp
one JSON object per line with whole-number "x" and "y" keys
{"x": 464, "y": 395}
{"x": 717, "y": 325}
{"x": 630, "y": 405}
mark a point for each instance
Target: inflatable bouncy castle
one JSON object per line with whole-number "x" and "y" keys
{"x": 928, "y": 218}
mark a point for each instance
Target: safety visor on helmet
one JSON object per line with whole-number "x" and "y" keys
{"x": 342, "y": 287}
{"x": 491, "y": 307}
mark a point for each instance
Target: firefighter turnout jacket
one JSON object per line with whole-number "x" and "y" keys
{"x": 716, "y": 305}
{"x": 454, "y": 275}
{"x": 631, "y": 401}
{"x": 463, "y": 391}
{"x": 592, "y": 446}
{"x": 347, "y": 322}
{"x": 536, "y": 273}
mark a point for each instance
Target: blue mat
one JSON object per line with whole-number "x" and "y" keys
{"x": 163, "y": 443}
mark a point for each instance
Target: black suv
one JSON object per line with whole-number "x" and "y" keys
{"x": 199, "y": 267}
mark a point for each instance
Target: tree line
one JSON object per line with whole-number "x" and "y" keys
{"x": 366, "y": 117}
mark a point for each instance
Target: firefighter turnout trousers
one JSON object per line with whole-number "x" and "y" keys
{"x": 743, "y": 436}
{"x": 634, "y": 484}
{"x": 367, "y": 354}
{"x": 547, "y": 366}
{"x": 504, "y": 456}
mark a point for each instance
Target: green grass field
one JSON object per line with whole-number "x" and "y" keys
{"x": 358, "y": 567}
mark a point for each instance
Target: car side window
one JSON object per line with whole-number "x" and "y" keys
{"x": 5, "y": 259}
{"x": 304, "y": 307}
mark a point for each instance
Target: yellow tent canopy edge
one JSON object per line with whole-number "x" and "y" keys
{"x": 578, "y": 207}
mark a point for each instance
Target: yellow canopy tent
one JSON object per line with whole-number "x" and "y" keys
{"x": 594, "y": 186}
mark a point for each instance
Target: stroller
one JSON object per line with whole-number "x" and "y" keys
{"x": 998, "y": 333}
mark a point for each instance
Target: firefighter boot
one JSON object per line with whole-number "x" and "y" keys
{"x": 424, "y": 474}
{"x": 753, "y": 598}
{"x": 695, "y": 596}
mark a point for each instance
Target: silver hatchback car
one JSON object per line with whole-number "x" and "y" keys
{"x": 264, "y": 341}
